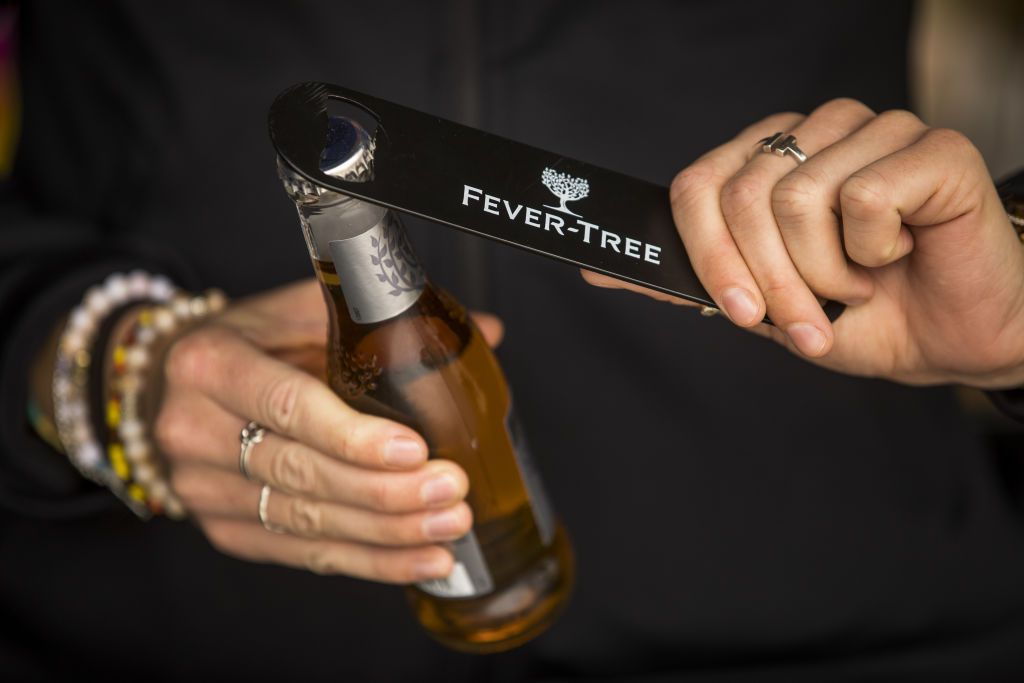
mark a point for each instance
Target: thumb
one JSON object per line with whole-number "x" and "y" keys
{"x": 934, "y": 182}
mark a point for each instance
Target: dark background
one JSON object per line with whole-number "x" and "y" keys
{"x": 738, "y": 514}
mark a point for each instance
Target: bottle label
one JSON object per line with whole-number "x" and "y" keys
{"x": 470, "y": 576}
{"x": 379, "y": 273}
{"x": 543, "y": 515}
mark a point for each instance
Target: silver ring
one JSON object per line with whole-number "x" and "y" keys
{"x": 251, "y": 435}
{"x": 782, "y": 144}
{"x": 261, "y": 512}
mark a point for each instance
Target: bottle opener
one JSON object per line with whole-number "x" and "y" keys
{"x": 503, "y": 190}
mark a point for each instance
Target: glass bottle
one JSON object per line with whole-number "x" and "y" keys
{"x": 401, "y": 348}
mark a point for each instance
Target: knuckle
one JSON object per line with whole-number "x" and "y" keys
{"x": 718, "y": 258}
{"x": 846, "y": 106}
{"x": 871, "y": 255}
{"x": 178, "y": 485}
{"x": 795, "y": 194}
{"x": 280, "y": 403}
{"x": 170, "y": 431}
{"x": 900, "y": 118}
{"x": 383, "y": 496}
{"x": 189, "y": 489}
{"x": 828, "y": 279}
{"x": 839, "y": 117}
{"x": 293, "y": 469}
{"x": 347, "y": 440}
{"x": 863, "y": 196}
{"x": 952, "y": 141}
{"x": 305, "y": 517}
{"x": 779, "y": 291}
{"x": 213, "y": 534}
{"x": 690, "y": 182}
{"x": 218, "y": 535}
{"x": 869, "y": 249}
{"x": 861, "y": 255}
{"x": 741, "y": 193}
{"x": 323, "y": 560}
{"x": 191, "y": 358}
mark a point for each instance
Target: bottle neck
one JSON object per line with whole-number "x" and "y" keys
{"x": 326, "y": 215}
{"x": 377, "y": 269}
{"x": 329, "y": 216}
{"x": 378, "y": 272}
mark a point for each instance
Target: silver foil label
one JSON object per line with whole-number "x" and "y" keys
{"x": 543, "y": 514}
{"x": 470, "y": 576}
{"x": 379, "y": 273}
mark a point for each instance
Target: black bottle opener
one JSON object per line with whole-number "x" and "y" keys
{"x": 496, "y": 188}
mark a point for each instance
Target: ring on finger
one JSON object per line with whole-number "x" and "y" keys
{"x": 261, "y": 512}
{"x": 782, "y": 144}
{"x": 251, "y": 435}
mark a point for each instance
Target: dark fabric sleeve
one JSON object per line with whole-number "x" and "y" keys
{"x": 1010, "y": 402}
{"x": 45, "y": 267}
{"x": 84, "y": 167}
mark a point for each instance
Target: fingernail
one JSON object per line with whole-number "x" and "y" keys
{"x": 436, "y": 568}
{"x": 442, "y": 526}
{"x": 808, "y": 338}
{"x": 402, "y": 451}
{"x": 740, "y": 305}
{"x": 439, "y": 489}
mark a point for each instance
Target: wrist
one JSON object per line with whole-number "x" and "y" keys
{"x": 1002, "y": 369}
{"x": 1011, "y": 194}
{"x": 102, "y": 389}
{"x": 1010, "y": 374}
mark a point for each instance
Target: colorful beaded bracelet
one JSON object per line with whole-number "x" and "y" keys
{"x": 75, "y": 351}
{"x": 130, "y": 453}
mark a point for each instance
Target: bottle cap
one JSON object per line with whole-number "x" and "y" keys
{"x": 348, "y": 152}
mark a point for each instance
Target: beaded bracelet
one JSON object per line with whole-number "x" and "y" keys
{"x": 75, "y": 352}
{"x": 123, "y": 391}
{"x": 130, "y": 454}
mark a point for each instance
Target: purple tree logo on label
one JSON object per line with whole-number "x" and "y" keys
{"x": 565, "y": 187}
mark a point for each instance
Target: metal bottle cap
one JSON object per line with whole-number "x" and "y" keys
{"x": 348, "y": 152}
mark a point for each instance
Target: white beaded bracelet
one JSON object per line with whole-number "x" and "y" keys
{"x": 72, "y": 415}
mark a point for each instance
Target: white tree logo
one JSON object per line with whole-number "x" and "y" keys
{"x": 565, "y": 187}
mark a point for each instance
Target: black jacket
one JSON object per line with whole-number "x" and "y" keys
{"x": 737, "y": 513}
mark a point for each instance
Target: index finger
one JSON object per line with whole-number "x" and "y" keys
{"x": 695, "y": 195}
{"x": 241, "y": 378}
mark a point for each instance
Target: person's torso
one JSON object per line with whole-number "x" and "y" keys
{"x": 730, "y": 505}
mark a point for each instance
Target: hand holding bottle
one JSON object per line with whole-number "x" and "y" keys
{"x": 355, "y": 493}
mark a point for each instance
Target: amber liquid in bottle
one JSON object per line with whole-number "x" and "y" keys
{"x": 430, "y": 369}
